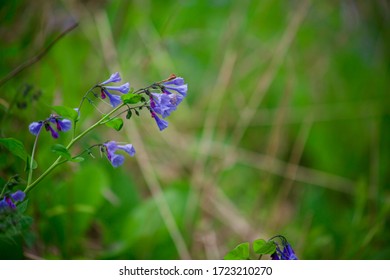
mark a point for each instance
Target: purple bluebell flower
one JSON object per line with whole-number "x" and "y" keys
{"x": 164, "y": 104}
{"x": 275, "y": 256}
{"x": 114, "y": 99}
{"x": 61, "y": 124}
{"x": 116, "y": 77}
{"x": 286, "y": 253}
{"x": 9, "y": 200}
{"x": 162, "y": 124}
{"x": 174, "y": 84}
{"x": 35, "y": 127}
{"x": 123, "y": 88}
{"x": 173, "y": 92}
{"x": 53, "y": 133}
{"x": 116, "y": 159}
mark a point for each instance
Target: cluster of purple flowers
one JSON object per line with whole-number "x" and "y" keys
{"x": 8, "y": 202}
{"x": 114, "y": 99}
{"x": 171, "y": 94}
{"x": 109, "y": 148}
{"x": 173, "y": 91}
{"x": 60, "y": 123}
{"x": 283, "y": 251}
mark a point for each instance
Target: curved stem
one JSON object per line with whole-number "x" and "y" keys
{"x": 79, "y": 108}
{"x": 30, "y": 170}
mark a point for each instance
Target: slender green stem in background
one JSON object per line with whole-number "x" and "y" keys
{"x": 79, "y": 109}
{"x": 58, "y": 161}
{"x": 30, "y": 168}
{"x": 3, "y": 190}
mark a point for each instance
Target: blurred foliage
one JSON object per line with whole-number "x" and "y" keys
{"x": 285, "y": 130}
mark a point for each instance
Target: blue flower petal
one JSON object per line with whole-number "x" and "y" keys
{"x": 180, "y": 89}
{"x": 117, "y": 160}
{"x": 18, "y": 195}
{"x": 123, "y": 88}
{"x": 35, "y": 127}
{"x": 3, "y": 204}
{"x": 128, "y": 149}
{"x": 54, "y": 133}
{"x": 113, "y": 78}
{"x": 115, "y": 100}
{"x": 176, "y": 81}
{"x": 64, "y": 124}
{"x": 162, "y": 124}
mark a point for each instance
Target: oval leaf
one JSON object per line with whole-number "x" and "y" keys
{"x": 66, "y": 112}
{"x": 262, "y": 247}
{"x": 61, "y": 150}
{"x": 241, "y": 252}
{"x": 15, "y": 146}
{"x": 77, "y": 159}
{"x": 131, "y": 98}
{"x": 115, "y": 123}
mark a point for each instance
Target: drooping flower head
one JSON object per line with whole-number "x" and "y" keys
{"x": 111, "y": 147}
{"x": 164, "y": 104}
{"x": 173, "y": 91}
{"x": 162, "y": 124}
{"x": 8, "y": 202}
{"x": 116, "y": 77}
{"x": 61, "y": 124}
{"x": 284, "y": 250}
{"x": 114, "y": 99}
{"x": 174, "y": 83}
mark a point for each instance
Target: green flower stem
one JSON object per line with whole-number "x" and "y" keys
{"x": 79, "y": 109}
{"x": 58, "y": 161}
{"x": 30, "y": 170}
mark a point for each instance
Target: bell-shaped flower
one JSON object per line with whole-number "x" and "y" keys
{"x": 116, "y": 77}
{"x": 9, "y": 200}
{"x": 162, "y": 124}
{"x": 53, "y": 133}
{"x": 114, "y": 99}
{"x": 164, "y": 104}
{"x": 61, "y": 124}
{"x": 35, "y": 127}
{"x": 123, "y": 88}
{"x": 176, "y": 84}
{"x": 286, "y": 253}
{"x": 112, "y": 147}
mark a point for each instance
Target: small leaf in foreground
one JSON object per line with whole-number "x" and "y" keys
{"x": 262, "y": 247}
{"x": 241, "y": 252}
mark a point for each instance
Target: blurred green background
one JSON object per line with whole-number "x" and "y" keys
{"x": 285, "y": 129}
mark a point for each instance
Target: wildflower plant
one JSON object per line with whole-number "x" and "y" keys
{"x": 160, "y": 99}
{"x": 277, "y": 247}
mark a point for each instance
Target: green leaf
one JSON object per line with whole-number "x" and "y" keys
{"x": 115, "y": 123}
{"x": 66, "y": 112}
{"x": 77, "y": 159}
{"x": 26, "y": 221}
{"x": 61, "y": 150}
{"x": 131, "y": 98}
{"x": 262, "y": 247}
{"x": 22, "y": 206}
{"x": 15, "y": 146}
{"x": 241, "y": 252}
{"x": 129, "y": 114}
